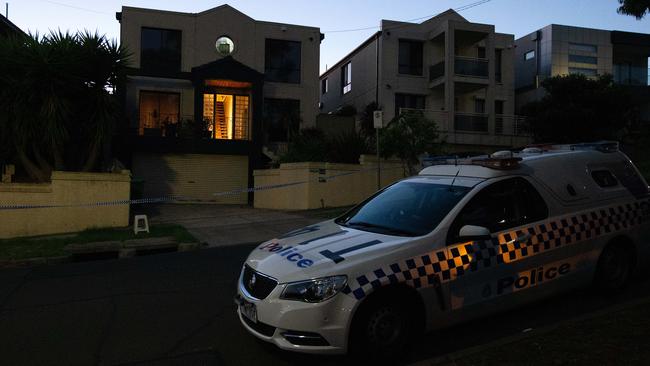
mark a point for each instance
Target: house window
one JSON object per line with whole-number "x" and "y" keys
{"x": 529, "y": 55}
{"x": 498, "y": 106}
{"x": 227, "y": 116}
{"x": 160, "y": 50}
{"x": 583, "y": 59}
{"x": 324, "y": 86}
{"x": 480, "y": 52}
{"x": 281, "y": 119}
{"x": 159, "y": 113}
{"x": 225, "y": 46}
{"x": 282, "y": 61}
{"x": 479, "y": 106}
{"x": 410, "y": 57}
{"x": 409, "y": 101}
{"x": 346, "y": 77}
{"x": 581, "y": 47}
{"x": 583, "y": 71}
{"x": 498, "y": 60}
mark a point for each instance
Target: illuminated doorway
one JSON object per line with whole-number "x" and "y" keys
{"x": 227, "y": 112}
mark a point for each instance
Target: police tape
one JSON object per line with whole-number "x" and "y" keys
{"x": 181, "y": 198}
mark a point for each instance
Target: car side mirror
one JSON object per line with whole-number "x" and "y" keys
{"x": 473, "y": 232}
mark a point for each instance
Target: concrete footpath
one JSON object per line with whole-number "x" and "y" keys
{"x": 223, "y": 225}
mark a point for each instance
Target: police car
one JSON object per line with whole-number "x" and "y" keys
{"x": 458, "y": 241}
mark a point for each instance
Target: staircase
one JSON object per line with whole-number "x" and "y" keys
{"x": 220, "y": 121}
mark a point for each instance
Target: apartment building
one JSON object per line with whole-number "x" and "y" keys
{"x": 461, "y": 74}
{"x": 561, "y": 50}
{"x": 209, "y": 93}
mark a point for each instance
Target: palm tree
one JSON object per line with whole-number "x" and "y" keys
{"x": 57, "y": 106}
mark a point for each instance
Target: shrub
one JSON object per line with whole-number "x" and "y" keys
{"x": 311, "y": 144}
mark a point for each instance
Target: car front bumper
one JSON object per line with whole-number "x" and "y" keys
{"x": 319, "y": 328}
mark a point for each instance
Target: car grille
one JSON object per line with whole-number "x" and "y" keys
{"x": 261, "y": 287}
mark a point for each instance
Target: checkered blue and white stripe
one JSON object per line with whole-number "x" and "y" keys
{"x": 433, "y": 268}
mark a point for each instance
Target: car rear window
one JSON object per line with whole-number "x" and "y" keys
{"x": 604, "y": 178}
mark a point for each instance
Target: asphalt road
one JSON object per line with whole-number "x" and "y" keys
{"x": 177, "y": 309}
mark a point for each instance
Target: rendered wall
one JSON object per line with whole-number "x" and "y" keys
{"x": 320, "y": 190}
{"x": 66, "y": 188}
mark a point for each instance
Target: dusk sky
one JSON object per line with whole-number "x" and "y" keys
{"x": 518, "y": 17}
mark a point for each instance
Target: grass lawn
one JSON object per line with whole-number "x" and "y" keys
{"x": 619, "y": 338}
{"x": 52, "y": 246}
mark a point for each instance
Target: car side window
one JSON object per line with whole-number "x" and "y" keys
{"x": 500, "y": 206}
{"x": 604, "y": 178}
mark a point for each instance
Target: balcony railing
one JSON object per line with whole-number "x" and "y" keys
{"x": 465, "y": 122}
{"x": 436, "y": 71}
{"x": 470, "y": 66}
{"x": 471, "y": 122}
{"x": 511, "y": 125}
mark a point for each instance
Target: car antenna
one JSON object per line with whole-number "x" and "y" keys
{"x": 453, "y": 180}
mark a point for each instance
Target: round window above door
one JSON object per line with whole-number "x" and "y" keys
{"x": 225, "y": 46}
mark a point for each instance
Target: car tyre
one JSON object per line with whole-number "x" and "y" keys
{"x": 383, "y": 330}
{"x": 614, "y": 269}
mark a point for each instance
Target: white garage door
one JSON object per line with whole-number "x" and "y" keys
{"x": 196, "y": 176}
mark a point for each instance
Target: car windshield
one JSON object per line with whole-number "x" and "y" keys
{"x": 407, "y": 208}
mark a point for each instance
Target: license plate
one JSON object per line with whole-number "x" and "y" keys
{"x": 248, "y": 310}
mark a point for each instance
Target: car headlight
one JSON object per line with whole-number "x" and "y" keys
{"x": 316, "y": 290}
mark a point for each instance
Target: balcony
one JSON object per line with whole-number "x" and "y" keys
{"x": 471, "y": 67}
{"x": 466, "y": 122}
{"x": 471, "y": 122}
{"x": 463, "y": 66}
{"x": 511, "y": 125}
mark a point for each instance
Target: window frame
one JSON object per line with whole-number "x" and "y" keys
{"x": 582, "y": 47}
{"x": 324, "y": 87}
{"x": 581, "y": 59}
{"x": 346, "y": 78}
{"x": 410, "y": 69}
{"x": 158, "y": 93}
{"x": 157, "y": 66}
{"x": 412, "y": 98}
{"x": 532, "y": 57}
{"x": 455, "y": 226}
{"x": 498, "y": 65}
{"x": 290, "y": 129}
{"x": 271, "y": 77}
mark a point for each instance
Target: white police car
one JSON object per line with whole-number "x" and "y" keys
{"x": 456, "y": 242}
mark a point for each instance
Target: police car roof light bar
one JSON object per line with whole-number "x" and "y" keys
{"x": 602, "y": 146}
{"x": 498, "y": 163}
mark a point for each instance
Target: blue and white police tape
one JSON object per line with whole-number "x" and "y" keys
{"x": 180, "y": 198}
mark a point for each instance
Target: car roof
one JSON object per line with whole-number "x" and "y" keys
{"x": 560, "y": 161}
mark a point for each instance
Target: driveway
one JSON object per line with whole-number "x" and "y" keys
{"x": 223, "y": 225}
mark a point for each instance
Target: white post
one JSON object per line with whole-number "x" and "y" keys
{"x": 378, "y": 121}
